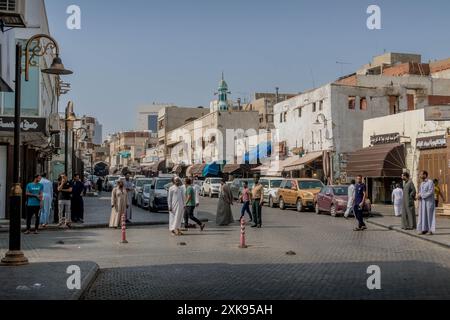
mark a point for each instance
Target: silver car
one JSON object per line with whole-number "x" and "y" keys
{"x": 271, "y": 187}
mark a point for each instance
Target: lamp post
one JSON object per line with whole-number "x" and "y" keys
{"x": 74, "y": 143}
{"x": 15, "y": 256}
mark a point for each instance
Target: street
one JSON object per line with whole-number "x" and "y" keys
{"x": 330, "y": 260}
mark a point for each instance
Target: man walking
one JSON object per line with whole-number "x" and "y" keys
{"x": 129, "y": 187}
{"x": 64, "y": 201}
{"x": 258, "y": 199}
{"x": 351, "y": 199}
{"x": 427, "y": 214}
{"x": 190, "y": 206}
{"x": 360, "y": 201}
{"x": 47, "y": 199}
{"x": 397, "y": 200}
{"x": 77, "y": 199}
{"x": 34, "y": 193}
{"x": 176, "y": 201}
{"x": 245, "y": 199}
{"x": 409, "y": 208}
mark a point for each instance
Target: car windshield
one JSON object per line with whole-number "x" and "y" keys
{"x": 142, "y": 182}
{"x": 306, "y": 185}
{"x": 147, "y": 188}
{"x": 340, "y": 191}
{"x": 160, "y": 184}
{"x": 275, "y": 183}
{"x": 216, "y": 181}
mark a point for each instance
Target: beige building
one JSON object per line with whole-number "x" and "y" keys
{"x": 214, "y": 137}
{"x": 171, "y": 118}
{"x": 127, "y": 149}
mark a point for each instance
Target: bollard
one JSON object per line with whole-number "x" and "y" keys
{"x": 124, "y": 229}
{"x": 243, "y": 245}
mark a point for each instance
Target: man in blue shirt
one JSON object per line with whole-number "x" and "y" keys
{"x": 34, "y": 192}
{"x": 360, "y": 201}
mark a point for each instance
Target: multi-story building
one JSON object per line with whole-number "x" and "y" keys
{"x": 322, "y": 126}
{"x": 171, "y": 118}
{"x": 264, "y": 103}
{"x": 147, "y": 118}
{"x": 127, "y": 149}
{"x": 38, "y": 98}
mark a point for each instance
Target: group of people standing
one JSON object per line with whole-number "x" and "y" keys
{"x": 39, "y": 201}
{"x": 404, "y": 200}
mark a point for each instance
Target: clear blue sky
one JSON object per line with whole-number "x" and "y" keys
{"x": 134, "y": 52}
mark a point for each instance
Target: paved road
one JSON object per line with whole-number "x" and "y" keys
{"x": 330, "y": 262}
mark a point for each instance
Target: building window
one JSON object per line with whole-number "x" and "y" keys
{"x": 394, "y": 102}
{"x": 285, "y": 116}
{"x": 321, "y": 105}
{"x": 314, "y": 107}
{"x": 281, "y": 118}
{"x": 363, "y": 104}
{"x": 299, "y": 112}
{"x": 352, "y": 102}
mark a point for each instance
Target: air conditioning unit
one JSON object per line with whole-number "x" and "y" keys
{"x": 54, "y": 123}
{"x": 12, "y": 13}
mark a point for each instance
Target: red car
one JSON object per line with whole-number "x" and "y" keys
{"x": 333, "y": 200}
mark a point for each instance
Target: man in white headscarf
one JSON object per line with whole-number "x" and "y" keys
{"x": 176, "y": 202}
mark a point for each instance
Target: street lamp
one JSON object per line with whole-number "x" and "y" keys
{"x": 15, "y": 256}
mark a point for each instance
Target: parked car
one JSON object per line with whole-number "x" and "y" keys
{"x": 299, "y": 193}
{"x": 211, "y": 187}
{"x": 334, "y": 199}
{"x": 237, "y": 186}
{"x": 158, "y": 194}
{"x": 139, "y": 183}
{"x": 271, "y": 187}
{"x": 143, "y": 196}
{"x": 110, "y": 182}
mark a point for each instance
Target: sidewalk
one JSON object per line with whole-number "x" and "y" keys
{"x": 45, "y": 281}
{"x": 97, "y": 212}
{"x": 385, "y": 217}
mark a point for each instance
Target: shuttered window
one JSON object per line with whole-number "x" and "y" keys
{"x": 8, "y": 5}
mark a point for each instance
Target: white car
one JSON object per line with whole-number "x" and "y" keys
{"x": 271, "y": 187}
{"x": 211, "y": 187}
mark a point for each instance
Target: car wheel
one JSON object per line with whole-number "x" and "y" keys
{"x": 299, "y": 205}
{"x": 333, "y": 211}
{"x": 271, "y": 205}
{"x": 317, "y": 208}
{"x": 282, "y": 204}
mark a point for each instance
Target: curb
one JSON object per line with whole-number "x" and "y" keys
{"x": 99, "y": 226}
{"x": 86, "y": 285}
{"x": 444, "y": 245}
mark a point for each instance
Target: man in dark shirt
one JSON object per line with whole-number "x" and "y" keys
{"x": 360, "y": 201}
{"x": 64, "y": 201}
{"x": 77, "y": 199}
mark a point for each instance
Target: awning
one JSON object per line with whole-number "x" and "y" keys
{"x": 300, "y": 163}
{"x": 275, "y": 168}
{"x": 195, "y": 170}
{"x": 212, "y": 169}
{"x": 379, "y": 161}
{"x": 232, "y": 168}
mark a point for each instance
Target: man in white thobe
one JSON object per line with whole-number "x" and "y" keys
{"x": 46, "y": 200}
{"x": 351, "y": 199}
{"x": 176, "y": 202}
{"x": 397, "y": 200}
{"x": 129, "y": 186}
{"x": 427, "y": 213}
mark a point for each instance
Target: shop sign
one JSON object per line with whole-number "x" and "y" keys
{"x": 27, "y": 124}
{"x": 431, "y": 143}
{"x": 385, "y": 139}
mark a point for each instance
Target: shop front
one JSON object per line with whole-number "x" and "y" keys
{"x": 381, "y": 165}
{"x": 435, "y": 159}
